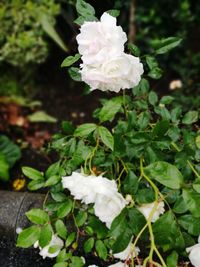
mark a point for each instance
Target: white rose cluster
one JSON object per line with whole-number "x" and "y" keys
{"x": 102, "y": 192}
{"x": 194, "y": 254}
{"x": 105, "y": 64}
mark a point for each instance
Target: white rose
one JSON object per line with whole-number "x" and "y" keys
{"x": 109, "y": 206}
{"x": 86, "y": 188}
{"x": 119, "y": 264}
{"x": 129, "y": 252}
{"x": 108, "y": 202}
{"x": 120, "y": 72}
{"x": 99, "y": 39}
{"x": 194, "y": 255}
{"x": 146, "y": 209}
{"x": 55, "y": 241}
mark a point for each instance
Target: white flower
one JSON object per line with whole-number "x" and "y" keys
{"x": 55, "y": 241}
{"x": 146, "y": 209}
{"x": 120, "y": 72}
{"x": 92, "y": 266}
{"x": 99, "y": 39}
{"x": 129, "y": 252}
{"x": 119, "y": 264}
{"x": 108, "y": 202}
{"x": 109, "y": 206}
{"x": 175, "y": 84}
{"x": 194, "y": 255}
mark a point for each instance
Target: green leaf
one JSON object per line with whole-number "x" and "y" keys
{"x": 167, "y": 233}
{"x": 151, "y": 62}
{"x": 37, "y": 216}
{"x": 142, "y": 88}
{"x": 35, "y": 185}
{"x": 119, "y": 224}
{"x": 197, "y": 141}
{"x": 155, "y": 73}
{"x": 180, "y": 206}
{"x": 192, "y": 201}
{"x": 165, "y": 173}
{"x": 53, "y": 169}
{"x": 190, "y": 224}
{"x": 81, "y": 218}
{"x": 85, "y": 129}
{"x": 70, "y": 239}
{"x": 84, "y": 8}
{"x": 166, "y": 100}
{"x": 41, "y": 116}
{"x": 52, "y": 180}
{"x": 130, "y": 185}
{"x": 153, "y": 98}
{"x": 98, "y": 227}
{"x": 50, "y": 30}
{"x": 64, "y": 209}
{"x": 101, "y": 249}
{"x": 75, "y": 74}
{"x": 58, "y": 197}
{"x": 106, "y": 137}
{"x": 28, "y": 237}
{"x": 88, "y": 245}
{"x": 190, "y": 117}
{"x": 136, "y": 220}
{"x": 161, "y": 128}
{"x": 110, "y": 108}
{"x": 54, "y": 249}
{"x": 134, "y": 50}
{"x": 62, "y": 256}
{"x": 165, "y": 45}
{"x": 122, "y": 241}
{"x": 113, "y": 12}
{"x": 46, "y": 235}
{"x": 61, "y": 229}
{"x": 143, "y": 120}
{"x": 196, "y": 185}
{"x": 172, "y": 259}
{"x": 76, "y": 262}
{"x": 4, "y": 169}
{"x": 32, "y": 173}
{"x": 9, "y": 150}
{"x": 81, "y": 19}
{"x": 68, "y": 61}
{"x": 145, "y": 195}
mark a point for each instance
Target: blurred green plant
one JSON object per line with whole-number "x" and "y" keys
{"x": 9, "y": 154}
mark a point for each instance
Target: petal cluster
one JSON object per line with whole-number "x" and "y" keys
{"x": 105, "y": 65}
{"x": 102, "y": 192}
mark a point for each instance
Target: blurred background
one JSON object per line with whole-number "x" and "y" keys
{"x": 36, "y": 95}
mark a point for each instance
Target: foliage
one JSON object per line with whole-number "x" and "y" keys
{"x": 152, "y": 151}
{"x": 23, "y": 40}
{"x": 9, "y": 154}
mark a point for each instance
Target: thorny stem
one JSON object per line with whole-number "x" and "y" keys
{"x": 91, "y": 155}
{"x": 188, "y": 162}
{"x": 153, "y": 245}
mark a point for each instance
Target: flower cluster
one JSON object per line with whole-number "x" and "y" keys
{"x": 102, "y": 192}
{"x": 105, "y": 65}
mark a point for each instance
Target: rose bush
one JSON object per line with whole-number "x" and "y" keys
{"x": 138, "y": 185}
